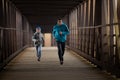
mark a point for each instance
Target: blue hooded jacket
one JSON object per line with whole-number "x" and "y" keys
{"x": 56, "y": 30}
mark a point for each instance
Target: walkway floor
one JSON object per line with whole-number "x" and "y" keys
{"x": 26, "y": 67}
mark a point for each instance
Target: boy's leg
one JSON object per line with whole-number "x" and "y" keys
{"x": 59, "y": 45}
{"x": 63, "y": 48}
{"x": 39, "y": 52}
{"x": 59, "y": 50}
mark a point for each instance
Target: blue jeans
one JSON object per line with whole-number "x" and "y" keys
{"x": 38, "y": 49}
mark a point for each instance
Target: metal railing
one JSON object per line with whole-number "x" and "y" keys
{"x": 12, "y": 41}
{"x": 98, "y": 44}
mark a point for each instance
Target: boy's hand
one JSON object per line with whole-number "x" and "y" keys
{"x": 54, "y": 39}
{"x": 60, "y": 33}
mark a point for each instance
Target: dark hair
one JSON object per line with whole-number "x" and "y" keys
{"x": 38, "y": 27}
{"x": 59, "y": 19}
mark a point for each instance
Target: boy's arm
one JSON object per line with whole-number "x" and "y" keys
{"x": 53, "y": 32}
{"x": 66, "y": 32}
{"x": 33, "y": 38}
{"x": 42, "y": 37}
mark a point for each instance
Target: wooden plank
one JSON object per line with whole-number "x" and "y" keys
{"x": 1, "y": 45}
{"x": 91, "y": 30}
{"x": 1, "y": 13}
{"x": 98, "y": 21}
{"x": 118, "y": 41}
{"x": 89, "y": 10}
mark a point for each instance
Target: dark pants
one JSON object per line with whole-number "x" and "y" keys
{"x": 61, "y": 50}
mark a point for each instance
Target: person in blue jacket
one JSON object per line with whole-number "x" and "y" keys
{"x": 60, "y": 32}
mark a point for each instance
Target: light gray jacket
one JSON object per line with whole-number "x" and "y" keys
{"x": 38, "y": 37}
